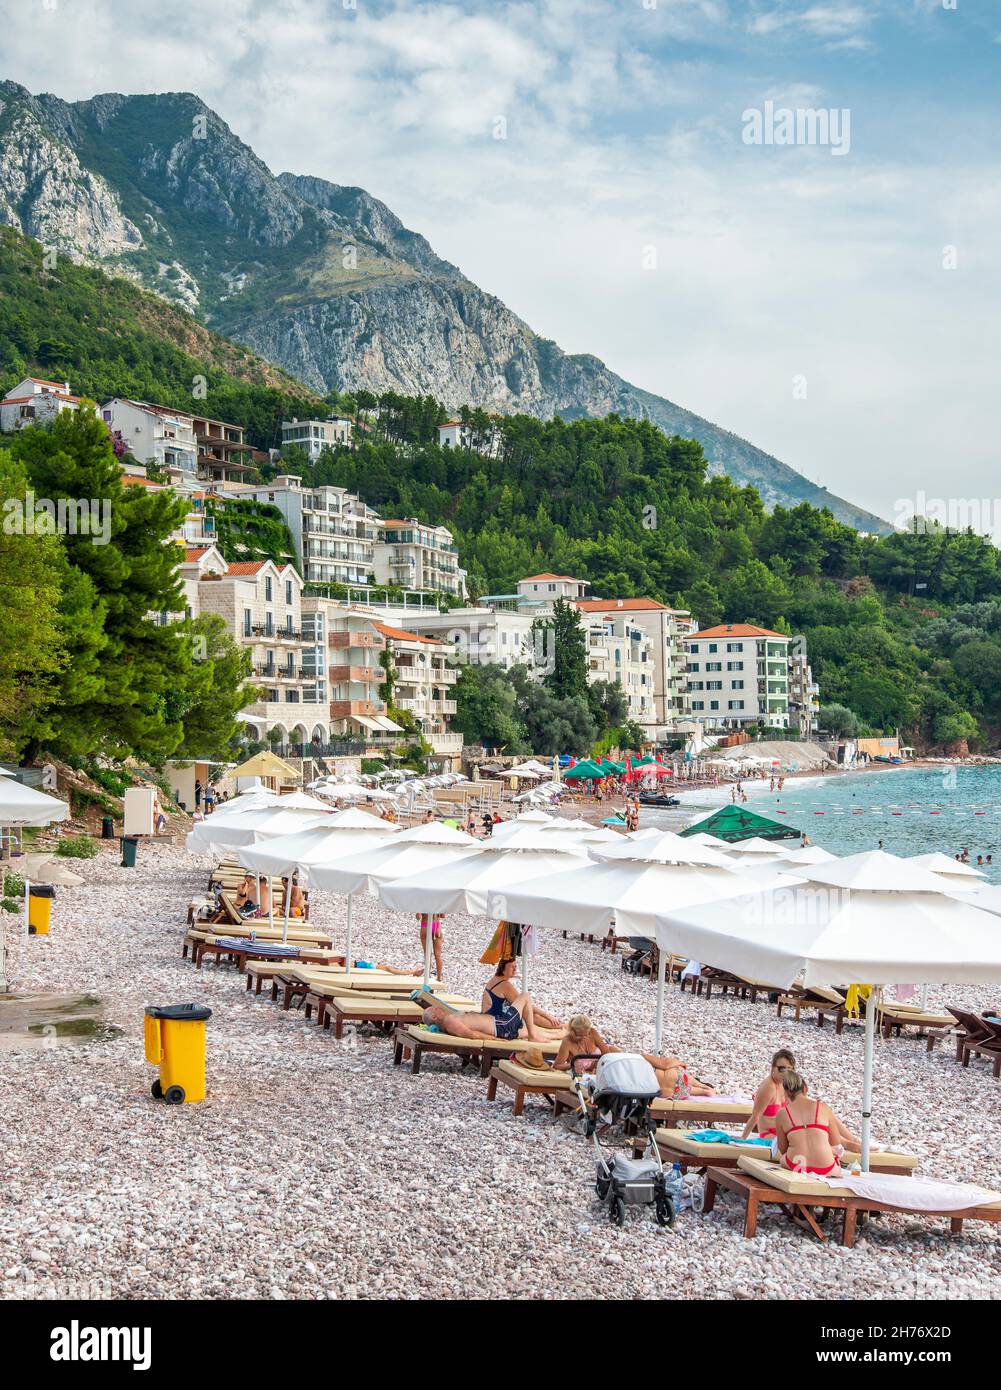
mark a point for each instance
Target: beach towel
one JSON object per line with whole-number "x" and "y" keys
{"x": 259, "y": 948}
{"x": 720, "y": 1136}
{"x": 915, "y": 1193}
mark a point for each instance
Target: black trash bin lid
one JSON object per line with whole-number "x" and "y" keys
{"x": 42, "y": 890}
{"x": 188, "y": 1013}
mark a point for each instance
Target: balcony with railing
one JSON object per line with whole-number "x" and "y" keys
{"x": 345, "y": 709}
{"x": 363, "y": 674}
{"x": 363, "y": 640}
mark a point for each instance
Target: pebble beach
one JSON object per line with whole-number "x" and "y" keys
{"x": 316, "y": 1169}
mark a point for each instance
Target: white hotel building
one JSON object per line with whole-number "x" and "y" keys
{"x": 738, "y": 674}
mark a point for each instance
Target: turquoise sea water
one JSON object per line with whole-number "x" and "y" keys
{"x": 912, "y": 810}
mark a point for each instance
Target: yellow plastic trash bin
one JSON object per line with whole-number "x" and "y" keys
{"x": 175, "y": 1042}
{"x": 40, "y": 897}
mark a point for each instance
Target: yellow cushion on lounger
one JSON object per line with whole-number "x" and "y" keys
{"x": 548, "y": 1049}
{"x": 704, "y": 1150}
{"x": 915, "y": 1016}
{"x": 536, "y": 1076}
{"x": 739, "y": 1109}
{"x": 779, "y": 1176}
{"x": 421, "y": 1034}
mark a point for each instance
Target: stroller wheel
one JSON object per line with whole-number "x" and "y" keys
{"x": 617, "y": 1212}
{"x": 601, "y": 1187}
{"x": 665, "y": 1211}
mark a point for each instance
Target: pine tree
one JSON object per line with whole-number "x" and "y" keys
{"x": 118, "y": 704}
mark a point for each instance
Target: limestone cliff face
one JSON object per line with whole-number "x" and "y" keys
{"x": 46, "y": 193}
{"x": 321, "y": 279}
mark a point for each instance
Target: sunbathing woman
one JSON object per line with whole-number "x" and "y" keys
{"x": 769, "y": 1098}
{"x": 582, "y": 1040}
{"x": 506, "y": 1013}
{"x": 676, "y": 1082}
{"x": 808, "y": 1130}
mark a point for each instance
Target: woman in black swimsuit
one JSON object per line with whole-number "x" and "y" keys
{"x": 507, "y": 1014}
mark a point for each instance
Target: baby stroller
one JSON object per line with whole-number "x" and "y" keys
{"x": 623, "y": 1086}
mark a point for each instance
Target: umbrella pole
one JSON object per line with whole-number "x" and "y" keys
{"x": 347, "y": 938}
{"x": 661, "y": 978}
{"x": 924, "y": 999}
{"x": 524, "y": 969}
{"x": 288, "y": 910}
{"x": 870, "y": 1033}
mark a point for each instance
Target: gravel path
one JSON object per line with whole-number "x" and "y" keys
{"x": 316, "y": 1169}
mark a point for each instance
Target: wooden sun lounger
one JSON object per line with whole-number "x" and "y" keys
{"x": 893, "y": 1018}
{"x": 965, "y": 1027}
{"x": 724, "y": 981}
{"x": 766, "y": 1184}
{"x": 989, "y": 1046}
{"x": 529, "y": 1081}
{"x": 239, "y": 955}
{"x": 304, "y": 984}
{"x": 825, "y": 1001}
{"x": 705, "y": 1111}
{"x": 352, "y": 1007}
{"x": 415, "y": 1042}
{"x": 676, "y": 1146}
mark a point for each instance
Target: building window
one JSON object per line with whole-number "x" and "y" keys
{"x": 248, "y": 622}
{"x": 288, "y": 592}
{"x": 267, "y": 589}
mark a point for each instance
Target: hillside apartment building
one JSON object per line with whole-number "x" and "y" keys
{"x": 34, "y": 401}
{"x": 740, "y": 674}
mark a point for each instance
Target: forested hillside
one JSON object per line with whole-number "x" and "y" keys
{"x": 618, "y": 503}
{"x": 107, "y": 338}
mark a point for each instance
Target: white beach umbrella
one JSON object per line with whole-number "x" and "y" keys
{"x": 663, "y": 847}
{"x": 940, "y": 863}
{"x": 337, "y": 835}
{"x": 345, "y": 791}
{"x": 809, "y": 854}
{"x": 266, "y": 822}
{"x": 755, "y": 845}
{"x": 301, "y": 801}
{"x": 21, "y": 805}
{"x": 885, "y": 920}
{"x": 632, "y": 890}
{"x": 419, "y": 850}
{"x": 464, "y": 884}
{"x": 702, "y": 837}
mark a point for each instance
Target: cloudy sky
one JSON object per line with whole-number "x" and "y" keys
{"x": 586, "y": 161}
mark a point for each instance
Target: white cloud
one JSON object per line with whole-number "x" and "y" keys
{"x": 771, "y": 263}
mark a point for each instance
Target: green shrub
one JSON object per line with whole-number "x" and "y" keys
{"x": 13, "y": 886}
{"x": 79, "y": 847}
{"x": 370, "y": 766}
{"x": 12, "y": 904}
{"x": 81, "y": 800}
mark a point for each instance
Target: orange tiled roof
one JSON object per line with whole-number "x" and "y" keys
{"x": 246, "y": 566}
{"x": 619, "y": 605}
{"x": 135, "y": 480}
{"x": 570, "y": 579}
{"x": 402, "y": 636}
{"x": 736, "y": 630}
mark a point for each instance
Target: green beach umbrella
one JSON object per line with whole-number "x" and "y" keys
{"x": 735, "y": 823}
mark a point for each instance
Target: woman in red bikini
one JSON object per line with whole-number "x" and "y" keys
{"x": 807, "y": 1131}
{"x": 769, "y": 1098}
